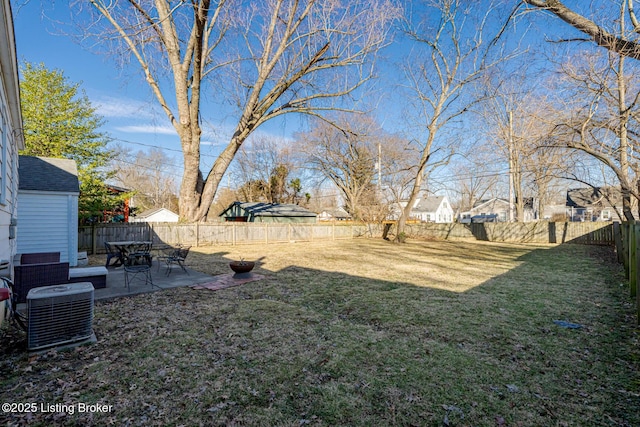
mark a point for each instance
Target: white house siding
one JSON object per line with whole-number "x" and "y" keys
{"x": 48, "y": 223}
{"x": 444, "y": 215}
{"x": 10, "y": 131}
{"x": 9, "y": 185}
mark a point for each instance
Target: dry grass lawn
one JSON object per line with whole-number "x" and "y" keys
{"x": 356, "y": 333}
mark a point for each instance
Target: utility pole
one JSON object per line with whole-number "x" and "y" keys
{"x": 511, "y": 166}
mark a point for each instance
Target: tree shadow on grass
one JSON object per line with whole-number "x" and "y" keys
{"x": 309, "y": 346}
{"x": 490, "y": 350}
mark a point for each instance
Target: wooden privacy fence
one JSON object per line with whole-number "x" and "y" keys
{"x": 598, "y": 233}
{"x": 91, "y": 239}
{"x": 627, "y": 237}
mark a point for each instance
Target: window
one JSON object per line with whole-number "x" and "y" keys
{"x": 606, "y": 214}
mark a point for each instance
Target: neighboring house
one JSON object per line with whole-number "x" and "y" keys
{"x": 432, "y": 209}
{"x": 119, "y": 214}
{"x": 555, "y": 209}
{"x": 334, "y": 214}
{"x": 594, "y": 204}
{"x": 486, "y": 211}
{"x": 497, "y": 210}
{"x": 156, "y": 215}
{"x": 267, "y": 212}
{"x": 48, "y": 207}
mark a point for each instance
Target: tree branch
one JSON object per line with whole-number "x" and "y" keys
{"x": 598, "y": 34}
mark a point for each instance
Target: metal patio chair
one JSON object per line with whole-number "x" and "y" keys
{"x": 138, "y": 264}
{"x": 175, "y": 255}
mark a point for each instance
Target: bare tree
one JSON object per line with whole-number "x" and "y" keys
{"x": 224, "y": 198}
{"x": 546, "y": 165}
{"x": 396, "y": 169}
{"x": 289, "y": 57}
{"x": 150, "y": 175}
{"x": 451, "y": 54}
{"x": 598, "y": 109}
{"x": 264, "y": 168}
{"x": 475, "y": 178}
{"x": 346, "y": 155}
{"x": 601, "y": 126}
{"x": 513, "y": 125}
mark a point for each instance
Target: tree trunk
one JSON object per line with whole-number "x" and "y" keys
{"x": 415, "y": 190}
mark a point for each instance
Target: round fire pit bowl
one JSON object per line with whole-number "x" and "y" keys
{"x": 242, "y": 269}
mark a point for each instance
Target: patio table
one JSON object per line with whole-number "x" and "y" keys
{"x": 126, "y": 247}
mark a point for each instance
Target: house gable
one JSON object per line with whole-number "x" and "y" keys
{"x": 433, "y": 209}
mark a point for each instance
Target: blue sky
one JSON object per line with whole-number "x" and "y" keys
{"x": 125, "y": 101}
{"x": 122, "y": 98}
{"x": 125, "y": 105}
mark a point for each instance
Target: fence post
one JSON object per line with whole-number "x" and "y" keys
{"x": 617, "y": 238}
{"x": 624, "y": 228}
{"x": 94, "y": 239}
{"x": 633, "y": 272}
{"x": 635, "y": 286}
{"x": 633, "y": 259}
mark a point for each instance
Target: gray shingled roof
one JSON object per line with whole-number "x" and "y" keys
{"x": 271, "y": 209}
{"x": 596, "y": 196}
{"x": 428, "y": 204}
{"x": 48, "y": 174}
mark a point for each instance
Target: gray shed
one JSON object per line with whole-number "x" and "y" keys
{"x": 267, "y": 212}
{"x": 48, "y": 193}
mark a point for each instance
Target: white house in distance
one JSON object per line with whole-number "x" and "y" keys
{"x": 496, "y": 209}
{"x": 334, "y": 214}
{"x": 431, "y": 209}
{"x": 155, "y": 215}
{"x": 11, "y": 138}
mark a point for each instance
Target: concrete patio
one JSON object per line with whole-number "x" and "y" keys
{"x": 116, "y": 286}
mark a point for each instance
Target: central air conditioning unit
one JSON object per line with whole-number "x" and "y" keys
{"x": 60, "y": 315}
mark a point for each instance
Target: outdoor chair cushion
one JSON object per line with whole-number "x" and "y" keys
{"x": 39, "y": 258}
{"x": 29, "y": 276}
